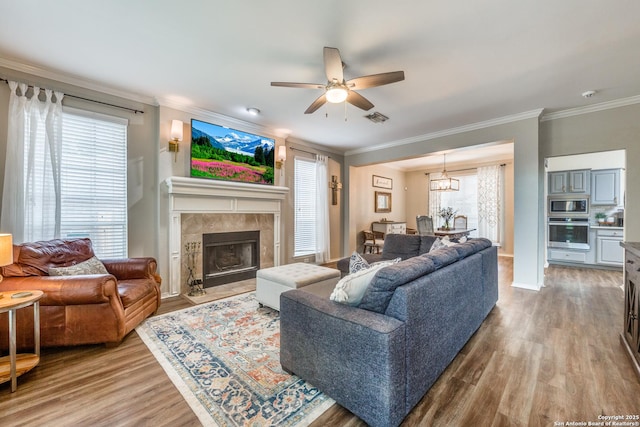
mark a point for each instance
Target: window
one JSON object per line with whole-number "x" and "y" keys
{"x": 93, "y": 181}
{"x": 465, "y": 201}
{"x": 305, "y": 206}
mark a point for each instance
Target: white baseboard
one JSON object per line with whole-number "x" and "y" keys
{"x": 526, "y": 286}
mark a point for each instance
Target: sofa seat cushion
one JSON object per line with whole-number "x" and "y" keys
{"x": 133, "y": 290}
{"x": 379, "y": 292}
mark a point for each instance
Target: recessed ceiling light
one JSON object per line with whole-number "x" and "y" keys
{"x": 588, "y": 93}
{"x": 253, "y": 111}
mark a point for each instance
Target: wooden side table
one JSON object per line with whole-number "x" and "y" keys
{"x": 14, "y": 365}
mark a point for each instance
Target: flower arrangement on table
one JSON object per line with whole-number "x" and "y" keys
{"x": 447, "y": 215}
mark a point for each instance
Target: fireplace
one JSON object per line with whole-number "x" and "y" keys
{"x": 230, "y": 257}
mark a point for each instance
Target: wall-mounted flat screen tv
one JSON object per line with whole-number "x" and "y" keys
{"x": 219, "y": 152}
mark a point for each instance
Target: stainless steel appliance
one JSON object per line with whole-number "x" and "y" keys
{"x": 568, "y": 232}
{"x": 569, "y": 206}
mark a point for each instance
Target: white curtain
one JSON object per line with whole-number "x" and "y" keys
{"x": 322, "y": 214}
{"x": 31, "y": 202}
{"x": 491, "y": 203}
{"x": 435, "y": 200}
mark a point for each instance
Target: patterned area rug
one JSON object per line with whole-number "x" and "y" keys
{"x": 224, "y": 358}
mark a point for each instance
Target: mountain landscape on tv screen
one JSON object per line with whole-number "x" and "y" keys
{"x": 223, "y": 153}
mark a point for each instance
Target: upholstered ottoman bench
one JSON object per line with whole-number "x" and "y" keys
{"x": 271, "y": 282}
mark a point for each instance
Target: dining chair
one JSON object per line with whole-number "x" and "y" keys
{"x": 373, "y": 240}
{"x": 425, "y": 225}
{"x": 460, "y": 222}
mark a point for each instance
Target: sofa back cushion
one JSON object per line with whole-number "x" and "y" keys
{"x": 402, "y": 246}
{"x": 35, "y": 258}
{"x": 425, "y": 243}
{"x": 379, "y": 292}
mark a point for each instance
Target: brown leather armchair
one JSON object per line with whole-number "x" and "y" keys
{"x": 82, "y": 309}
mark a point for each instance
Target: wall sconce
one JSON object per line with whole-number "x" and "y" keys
{"x": 282, "y": 156}
{"x": 335, "y": 186}
{"x": 176, "y": 137}
{"x": 6, "y": 251}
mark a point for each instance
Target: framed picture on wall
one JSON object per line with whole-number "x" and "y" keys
{"x": 382, "y": 182}
{"x": 383, "y": 202}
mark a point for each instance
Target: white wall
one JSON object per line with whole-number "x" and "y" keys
{"x": 417, "y": 200}
{"x": 614, "y": 159}
{"x": 362, "y": 201}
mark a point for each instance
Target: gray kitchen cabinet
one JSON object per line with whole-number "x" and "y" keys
{"x": 605, "y": 187}
{"x": 569, "y": 182}
{"x": 608, "y": 250}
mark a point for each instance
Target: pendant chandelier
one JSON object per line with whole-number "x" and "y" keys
{"x": 445, "y": 182}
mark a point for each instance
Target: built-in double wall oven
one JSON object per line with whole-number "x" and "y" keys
{"x": 568, "y": 222}
{"x": 569, "y": 233}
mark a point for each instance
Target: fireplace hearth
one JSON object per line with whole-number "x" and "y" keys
{"x": 230, "y": 257}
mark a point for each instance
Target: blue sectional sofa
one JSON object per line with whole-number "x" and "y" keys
{"x": 380, "y": 358}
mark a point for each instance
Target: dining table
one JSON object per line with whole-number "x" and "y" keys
{"x": 453, "y": 232}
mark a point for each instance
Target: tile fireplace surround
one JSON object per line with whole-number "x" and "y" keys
{"x": 198, "y": 206}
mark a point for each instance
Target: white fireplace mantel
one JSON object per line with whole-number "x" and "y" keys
{"x": 194, "y": 195}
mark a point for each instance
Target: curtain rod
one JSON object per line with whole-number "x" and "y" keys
{"x": 135, "y": 111}
{"x": 467, "y": 169}
{"x": 303, "y": 151}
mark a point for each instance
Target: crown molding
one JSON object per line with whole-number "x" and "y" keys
{"x": 448, "y": 132}
{"x": 313, "y": 146}
{"x": 75, "y": 80}
{"x": 217, "y": 117}
{"x": 622, "y": 102}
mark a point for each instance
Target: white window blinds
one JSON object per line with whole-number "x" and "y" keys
{"x": 305, "y": 206}
{"x": 94, "y": 181}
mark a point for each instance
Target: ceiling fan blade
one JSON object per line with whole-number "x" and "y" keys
{"x": 375, "y": 80}
{"x": 322, "y": 99}
{"x": 333, "y": 64}
{"x": 354, "y": 98}
{"x": 300, "y": 85}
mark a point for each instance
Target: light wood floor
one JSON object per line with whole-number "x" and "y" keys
{"x": 540, "y": 357}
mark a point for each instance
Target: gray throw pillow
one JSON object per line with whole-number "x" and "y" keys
{"x": 90, "y": 266}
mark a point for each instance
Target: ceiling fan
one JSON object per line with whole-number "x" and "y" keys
{"x": 337, "y": 89}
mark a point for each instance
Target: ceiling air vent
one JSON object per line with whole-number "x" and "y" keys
{"x": 377, "y": 117}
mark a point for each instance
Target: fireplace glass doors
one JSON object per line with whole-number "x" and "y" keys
{"x": 230, "y": 257}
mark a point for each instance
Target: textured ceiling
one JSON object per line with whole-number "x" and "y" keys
{"x": 465, "y": 62}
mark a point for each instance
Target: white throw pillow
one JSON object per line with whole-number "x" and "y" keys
{"x": 357, "y": 263}
{"x": 437, "y": 244}
{"x": 91, "y": 266}
{"x": 447, "y": 242}
{"x": 350, "y": 289}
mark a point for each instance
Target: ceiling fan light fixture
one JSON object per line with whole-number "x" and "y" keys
{"x": 336, "y": 95}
